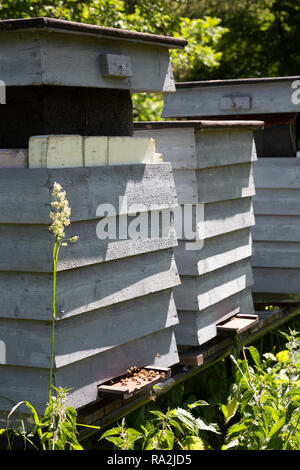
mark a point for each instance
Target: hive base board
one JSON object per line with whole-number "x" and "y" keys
{"x": 237, "y": 324}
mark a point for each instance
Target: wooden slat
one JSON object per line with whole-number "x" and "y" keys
{"x": 191, "y": 358}
{"x": 276, "y": 228}
{"x": 277, "y": 173}
{"x": 276, "y": 254}
{"x": 29, "y": 247}
{"x": 176, "y": 145}
{"x": 205, "y": 99}
{"x": 277, "y": 280}
{"x": 215, "y": 148}
{"x": 80, "y": 337}
{"x": 224, "y": 217}
{"x": 198, "y": 293}
{"x": 87, "y": 288}
{"x": 217, "y": 252}
{"x": 277, "y": 202}
{"x": 30, "y": 58}
{"x": 237, "y": 324}
{"x": 214, "y": 184}
{"x": 25, "y": 194}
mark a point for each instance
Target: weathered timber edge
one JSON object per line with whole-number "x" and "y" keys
{"x": 234, "y": 81}
{"x": 48, "y": 24}
{"x": 216, "y": 349}
{"x": 199, "y": 124}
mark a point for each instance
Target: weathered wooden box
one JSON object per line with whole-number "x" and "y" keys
{"x": 115, "y": 306}
{"x": 212, "y": 166}
{"x": 276, "y": 101}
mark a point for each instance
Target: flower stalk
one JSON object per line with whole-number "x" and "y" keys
{"x": 60, "y": 219}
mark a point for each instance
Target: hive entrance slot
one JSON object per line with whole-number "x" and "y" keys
{"x": 134, "y": 381}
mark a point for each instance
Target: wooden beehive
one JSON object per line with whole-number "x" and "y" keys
{"x": 115, "y": 306}
{"x": 212, "y": 165}
{"x": 276, "y": 101}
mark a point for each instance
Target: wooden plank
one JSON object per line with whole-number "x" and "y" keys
{"x": 198, "y": 293}
{"x": 276, "y": 254}
{"x": 13, "y": 158}
{"x": 227, "y": 147}
{"x": 176, "y": 145}
{"x": 84, "y": 376}
{"x": 29, "y": 247}
{"x": 16, "y": 383}
{"x": 214, "y": 184}
{"x": 30, "y": 58}
{"x": 186, "y": 186}
{"x": 277, "y": 202}
{"x": 88, "y": 288}
{"x": 237, "y": 324}
{"x": 80, "y": 337}
{"x": 196, "y": 328}
{"x": 277, "y": 173}
{"x": 191, "y": 358}
{"x": 25, "y": 198}
{"x": 224, "y": 217}
{"x": 276, "y": 228}
{"x": 205, "y": 99}
{"x": 276, "y": 280}
{"x": 217, "y": 252}
{"x": 187, "y": 148}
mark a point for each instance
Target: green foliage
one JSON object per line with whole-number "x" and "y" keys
{"x": 266, "y": 398}
{"x": 174, "y": 429}
{"x": 262, "y": 37}
{"x": 55, "y": 430}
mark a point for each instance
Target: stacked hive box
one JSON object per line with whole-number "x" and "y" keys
{"x": 114, "y": 300}
{"x": 276, "y": 247}
{"x": 212, "y": 165}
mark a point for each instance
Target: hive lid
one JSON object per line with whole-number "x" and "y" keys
{"x": 234, "y": 97}
{"x": 37, "y": 51}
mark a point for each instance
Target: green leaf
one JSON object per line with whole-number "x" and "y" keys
{"x": 198, "y": 403}
{"x": 283, "y": 356}
{"x": 232, "y": 407}
{"x": 167, "y": 439}
{"x": 255, "y": 355}
{"x": 193, "y": 443}
{"x": 117, "y": 441}
{"x": 236, "y": 428}
{"x": 110, "y": 432}
{"x": 186, "y": 418}
{"x": 276, "y": 427}
{"x": 203, "y": 426}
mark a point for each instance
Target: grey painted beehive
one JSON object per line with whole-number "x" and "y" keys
{"x": 115, "y": 305}
{"x": 212, "y": 165}
{"x": 276, "y": 101}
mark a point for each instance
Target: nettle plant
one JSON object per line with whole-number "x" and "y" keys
{"x": 265, "y": 400}
{"x": 56, "y": 429}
